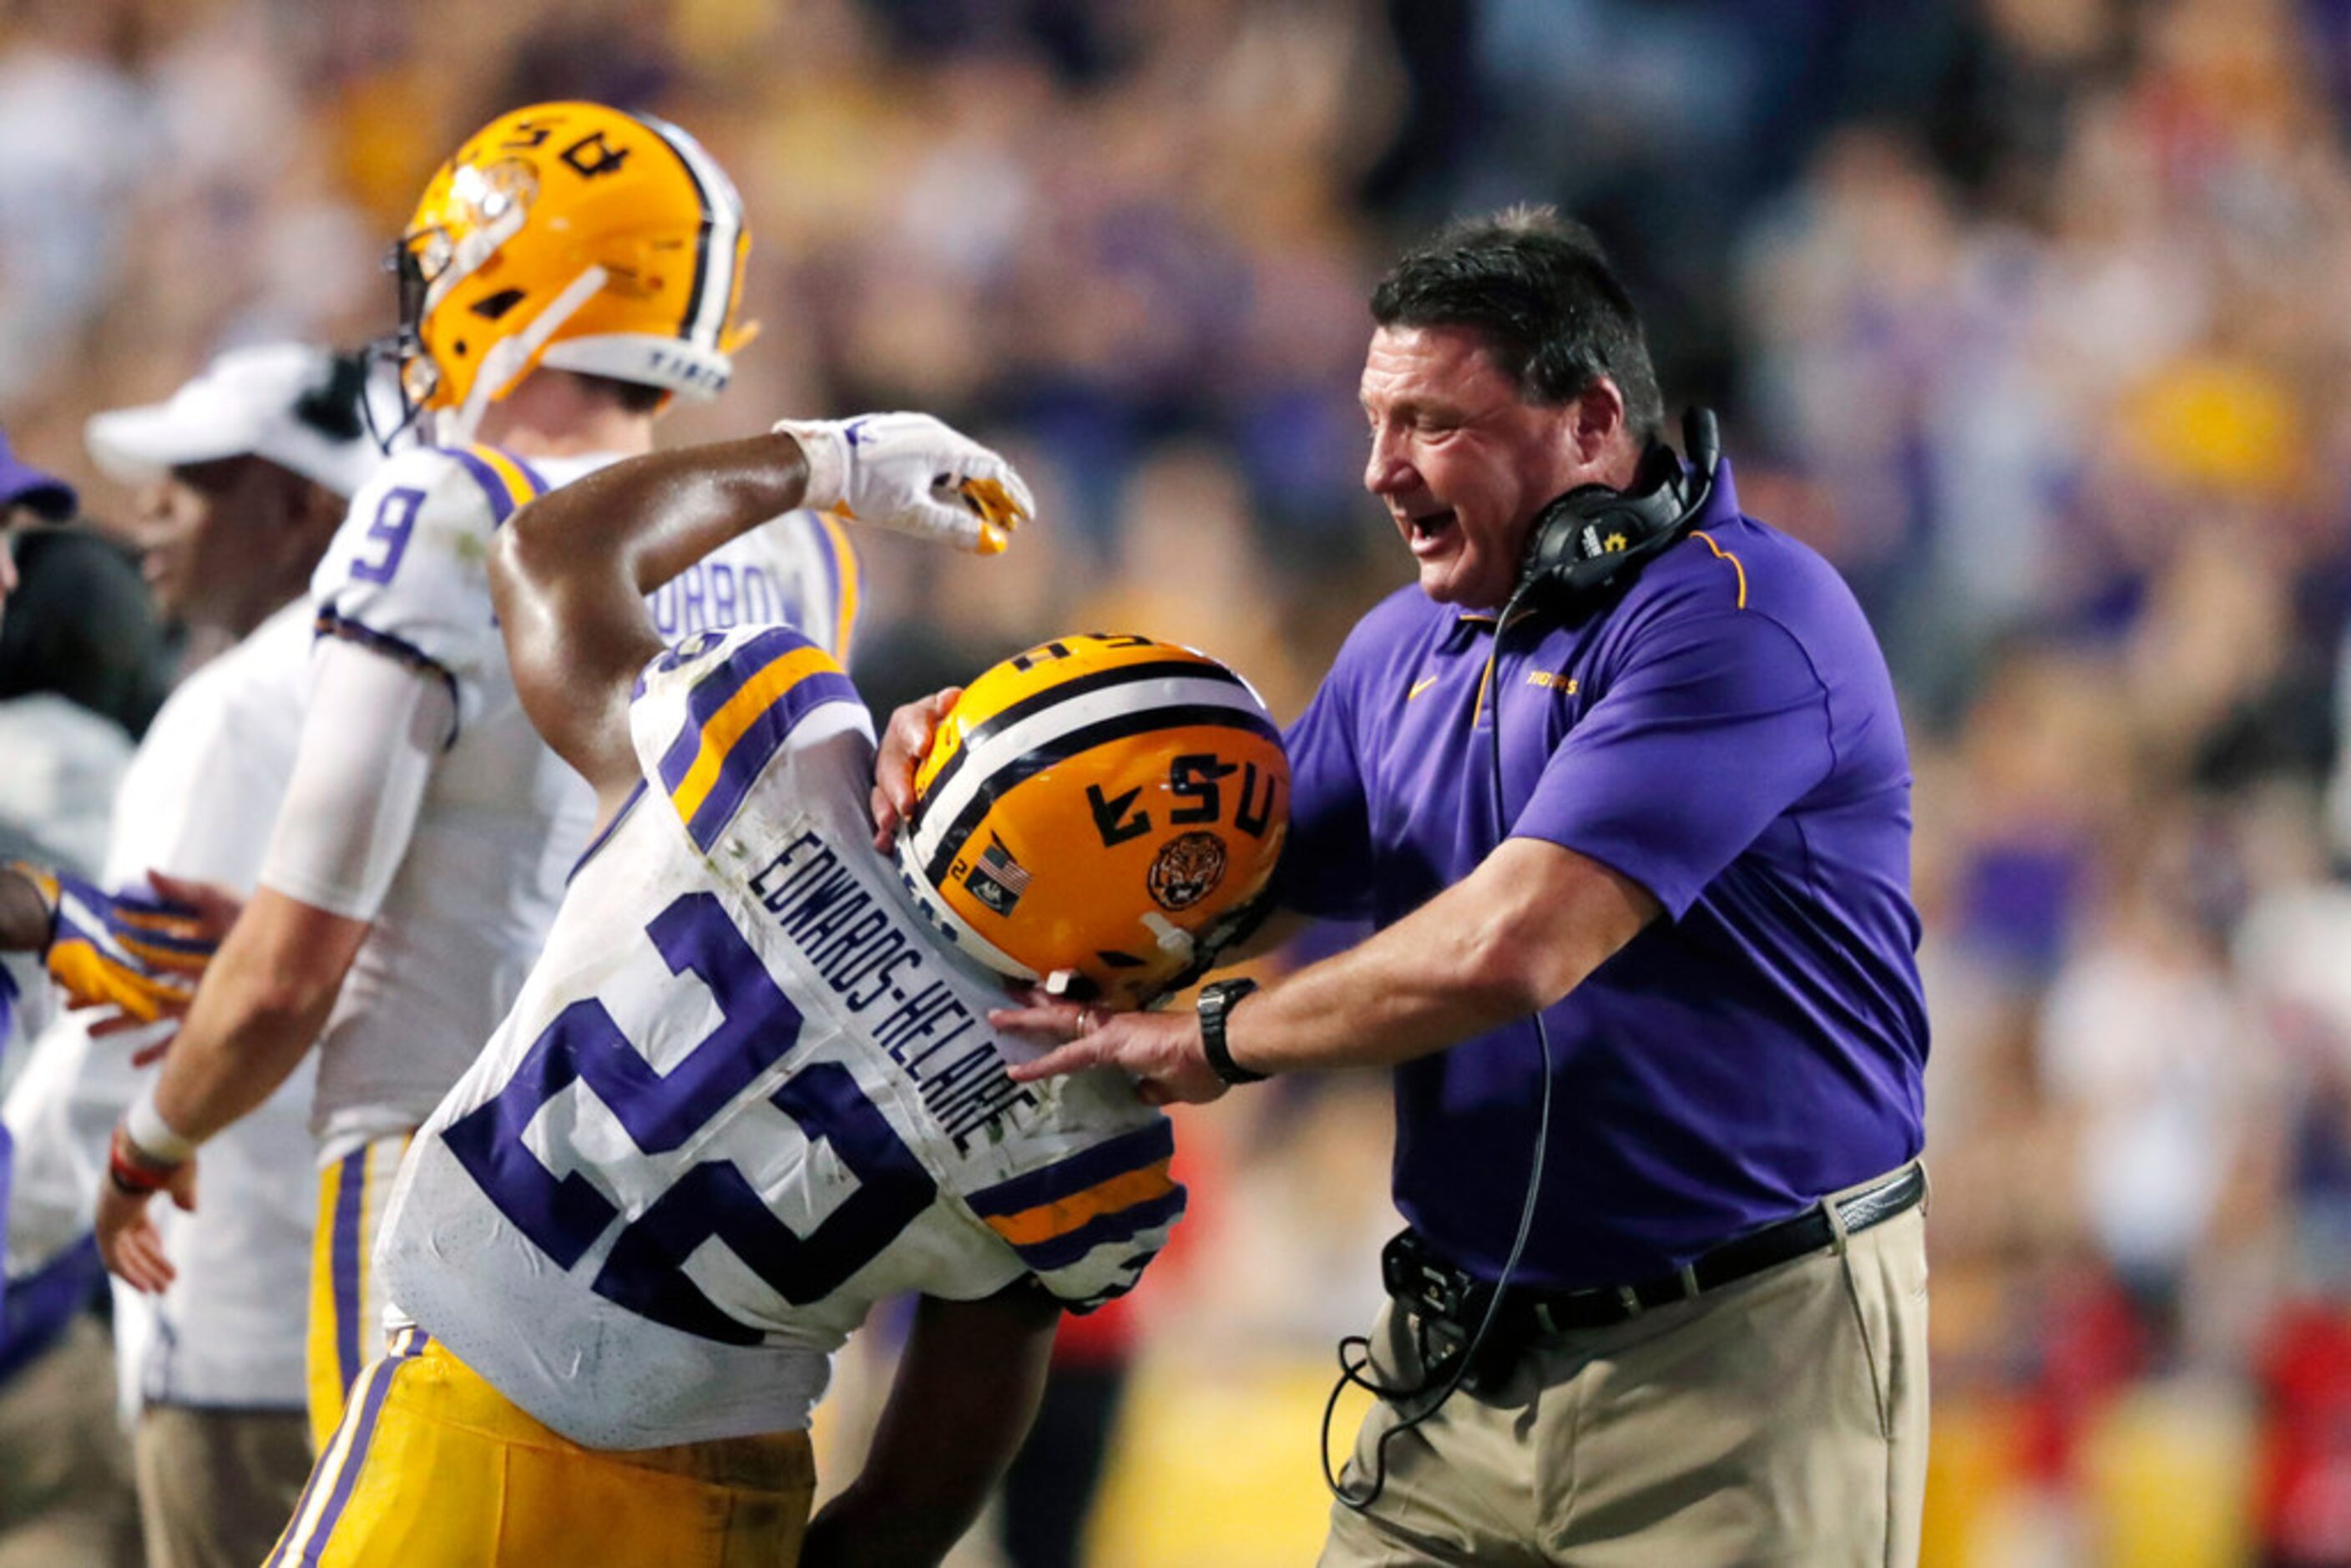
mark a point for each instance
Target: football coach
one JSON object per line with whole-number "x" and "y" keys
{"x": 1649, "y": 994}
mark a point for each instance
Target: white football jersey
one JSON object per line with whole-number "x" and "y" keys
{"x": 197, "y": 801}
{"x": 502, "y": 816}
{"x": 747, "y": 1093}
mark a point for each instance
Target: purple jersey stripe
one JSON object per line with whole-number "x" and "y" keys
{"x": 350, "y": 1190}
{"x": 330, "y": 625}
{"x": 355, "y": 1459}
{"x": 1102, "y": 1230}
{"x": 758, "y": 745}
{"x": 493, "y": 484}
{"x": 716, "y": 689}
{"x": 1127, "y": 1152}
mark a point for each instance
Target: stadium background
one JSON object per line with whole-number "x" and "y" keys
{"x": 2034, "y": 315}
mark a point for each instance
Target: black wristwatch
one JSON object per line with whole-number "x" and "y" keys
{"x": 1217, "y": 1000}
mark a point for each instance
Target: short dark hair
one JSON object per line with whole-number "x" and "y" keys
{"x": 634, "y": 397}
{"x": 1536, "y": 286}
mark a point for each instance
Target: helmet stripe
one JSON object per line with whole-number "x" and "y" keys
{"x": 705, "y": 317}
{"x": 977, "y": 737}
{"x": 1072, "y": 743}
{"x": 1059, "y": 713}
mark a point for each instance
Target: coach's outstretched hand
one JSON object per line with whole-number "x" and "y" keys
{"x": 905, "y": 741}
{"x": 1162, "y": 1052}
{"x": 912, "y": 473}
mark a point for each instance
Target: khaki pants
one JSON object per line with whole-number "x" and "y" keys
{"x": 65, "y": 1470}
{"x": 216, "y": 1486}
{"x": 1780, "y": 1420}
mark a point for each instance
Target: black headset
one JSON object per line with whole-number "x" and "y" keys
{"x": 1591, "y": 538}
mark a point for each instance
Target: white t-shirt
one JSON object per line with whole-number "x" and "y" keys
{"x": 747, "y": 1093}
{"x": 501, "y": 818}
{"x": 198, "y": 800}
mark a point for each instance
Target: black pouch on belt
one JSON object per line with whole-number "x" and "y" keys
{"x": 1447, "y": 1304}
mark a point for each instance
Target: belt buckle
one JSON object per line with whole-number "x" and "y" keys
{"x": 1630, "y": 1299}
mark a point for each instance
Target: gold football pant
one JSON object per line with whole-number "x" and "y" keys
{"x": 345, "y": 1305}
{"x": 432, "y": 1465}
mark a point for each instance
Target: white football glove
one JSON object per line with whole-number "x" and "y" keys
{"x": 912, "y": 473}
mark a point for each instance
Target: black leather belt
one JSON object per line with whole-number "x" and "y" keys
{"x": 1436, "y": 1291}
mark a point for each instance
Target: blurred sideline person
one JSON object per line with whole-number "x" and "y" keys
{"x": 746, "y": 1094}
{"x": 244, "y": 475}
{"x": 83, "y": 631}
{"x": 65, "y": 1489}
{"x": 28, "y": 498}
{"x": 566, "y": 273}
{"x": 1688, "y": 1323}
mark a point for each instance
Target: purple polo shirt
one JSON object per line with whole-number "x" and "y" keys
{"x": 1726, "y": 735}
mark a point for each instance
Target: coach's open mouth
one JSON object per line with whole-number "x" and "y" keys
{"x": 1427, "y": 532}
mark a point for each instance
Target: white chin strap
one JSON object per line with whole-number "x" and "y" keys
{"x": 508, "y": 356}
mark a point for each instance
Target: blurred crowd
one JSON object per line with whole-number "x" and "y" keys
{"x": 2033, "y": 315}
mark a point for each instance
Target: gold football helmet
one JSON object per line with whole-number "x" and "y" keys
{"x": 1102, "y": 813}
{"x": 573, "y": 235}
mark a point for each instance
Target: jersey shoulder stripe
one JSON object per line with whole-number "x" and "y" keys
{"x": 507, "y": 481}
{"x": 1105, "y": 1194}
{"x": 330, "y": 623}
{"x": 738, "y": 715}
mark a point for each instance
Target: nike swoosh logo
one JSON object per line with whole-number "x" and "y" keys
{"x": 1420, "y": 687}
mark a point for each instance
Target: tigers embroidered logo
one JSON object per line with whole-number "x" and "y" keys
{"x": 1186, "y": 870}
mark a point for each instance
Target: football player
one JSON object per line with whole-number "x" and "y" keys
{"x": 747, "y": 1091}
{"x": 567, "y": 272}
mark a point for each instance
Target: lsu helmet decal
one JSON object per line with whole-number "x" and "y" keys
{"x": 1105, "y": 812}
{"x": 573, "y": 235}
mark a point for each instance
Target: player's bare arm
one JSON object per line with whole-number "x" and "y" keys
{"x": 1511, "y": 938}
{"x": 271, "y": 988}
{"x": 370, "y": 741}
{"x": 966, "y": 1393}
{"x": 569, "y": 573}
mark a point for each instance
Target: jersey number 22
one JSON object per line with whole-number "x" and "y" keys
{"x": 644, "y": 1272}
